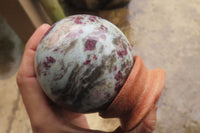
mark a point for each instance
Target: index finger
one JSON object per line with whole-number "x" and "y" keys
{"x": 27, "y": 65}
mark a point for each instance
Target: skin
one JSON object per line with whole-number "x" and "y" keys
{"x": 43, "y": 114}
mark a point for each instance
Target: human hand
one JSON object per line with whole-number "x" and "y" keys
{"x": 41, "y": 111}
{"x": 146, "y": 126}
{"x": 46, "y": 117}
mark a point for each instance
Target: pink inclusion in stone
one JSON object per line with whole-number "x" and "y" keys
{"x": 92, "y": 18}
{"x": 87, "y": 62}
{"x": 95, "y": 57}
{"x": 72, "y": 35}
{"x": 118, "y": 86}
{"x": 90, "y": 45}
{"x": 49, "y": 60}
{"x": 118, "y": 76}
{"x": 78, "y": 20}
{"x": 103, "y": 28}
{"x": 55, "y": 50}
{"x": 122, "y": 53}
{"x": 115, "y": 68}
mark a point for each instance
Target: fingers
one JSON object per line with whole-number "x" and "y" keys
{"x": 33, "y": 97}
{"x": 75, "y": 118}
{"x": 37, "y": 36}
{"x": 27, "y": 65}
{"x": 146, "y": 126}
{"x": 35, "y": 101}
{"x": 149, "y": 123}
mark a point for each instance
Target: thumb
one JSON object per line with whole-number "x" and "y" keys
{"x": 149, "y": 123}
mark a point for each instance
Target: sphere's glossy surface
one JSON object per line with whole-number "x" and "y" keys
{"x": 82, "y": 62}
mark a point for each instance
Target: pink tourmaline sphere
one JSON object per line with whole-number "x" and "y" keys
{"x": 82, "y": 63}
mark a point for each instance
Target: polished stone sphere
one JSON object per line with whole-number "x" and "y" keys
{"x": 82, "y": 63}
